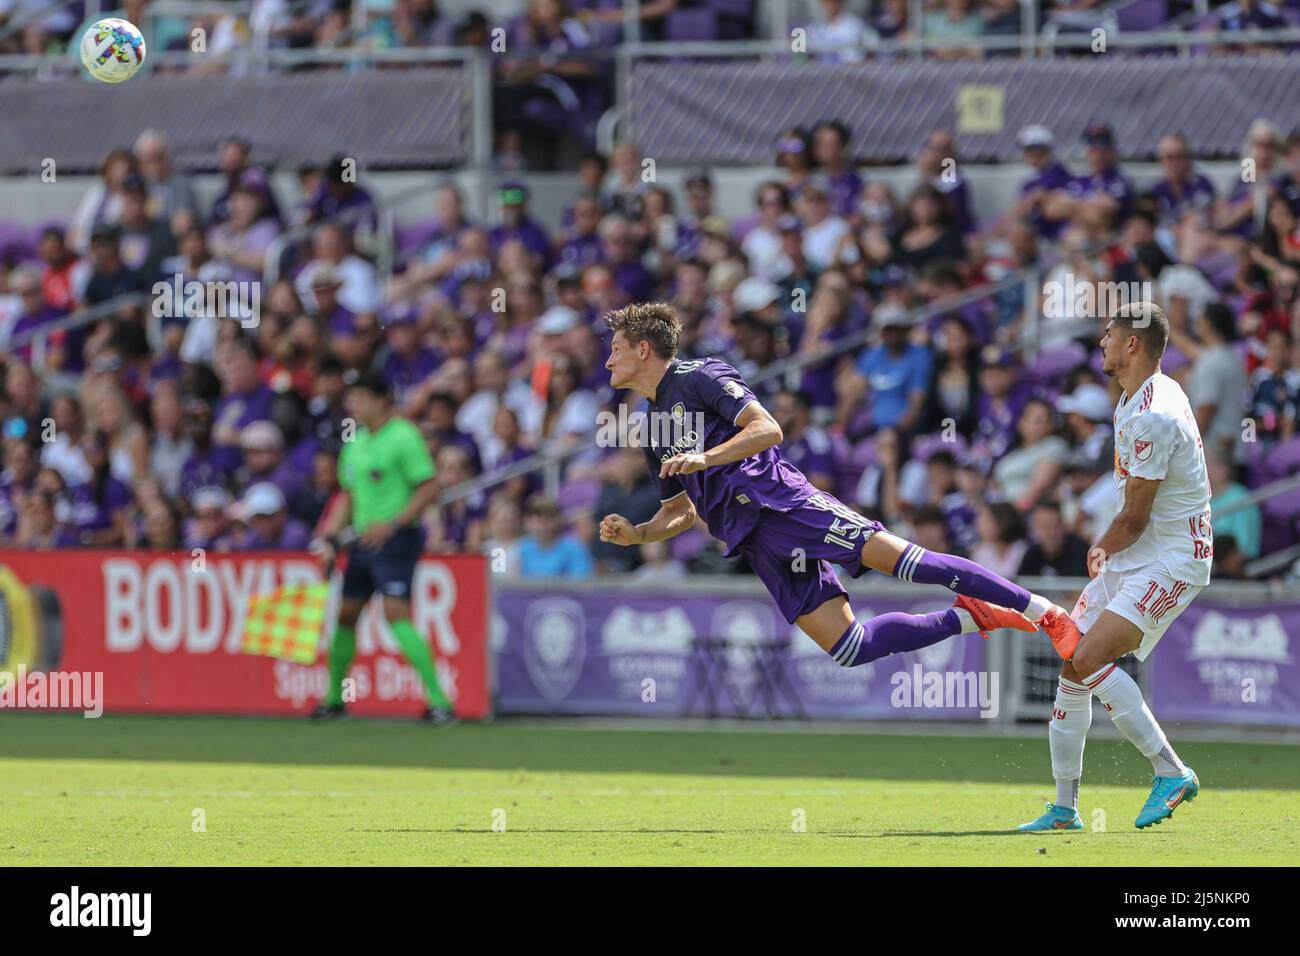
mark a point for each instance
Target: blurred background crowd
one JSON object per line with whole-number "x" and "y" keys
{"x": 208, "y": 431}
{"x": 973, "y": 422}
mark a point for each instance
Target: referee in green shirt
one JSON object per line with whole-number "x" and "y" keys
{"x": 386, "y": 481}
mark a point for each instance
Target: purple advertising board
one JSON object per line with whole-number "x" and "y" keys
{"x": 647, "y": 654}
{"x": 1229, "y": 664}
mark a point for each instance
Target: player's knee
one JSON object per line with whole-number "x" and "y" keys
{"x": 396, "y": 608}
{"x": 349, "y": 612}
{"x": 1068, "y": 671}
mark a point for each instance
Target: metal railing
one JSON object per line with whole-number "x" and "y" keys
{"x": 260, "y": 57}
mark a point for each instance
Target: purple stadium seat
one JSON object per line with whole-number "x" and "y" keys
{"x": 1275, "y": 536}
{"x": 696, "y": 23}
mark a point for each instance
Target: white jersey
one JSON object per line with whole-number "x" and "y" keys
{"x": 1156, "y": 437}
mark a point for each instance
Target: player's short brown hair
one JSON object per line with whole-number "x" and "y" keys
{"x": 653, "y": 322}
{"x": 1148, "y": 322}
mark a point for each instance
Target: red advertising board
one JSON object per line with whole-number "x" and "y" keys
{"x": 166, "y": 632}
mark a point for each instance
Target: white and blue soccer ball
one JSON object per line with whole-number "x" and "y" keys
{"x": 112, "y": 50}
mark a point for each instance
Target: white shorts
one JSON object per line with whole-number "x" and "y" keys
{"x": 1151, "y": 597}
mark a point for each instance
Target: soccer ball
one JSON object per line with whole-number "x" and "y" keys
{"x": 112, "y": 50}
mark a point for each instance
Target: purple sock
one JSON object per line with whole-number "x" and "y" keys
{"x": 957, "y": 574}
{"x": 893, "y": 633}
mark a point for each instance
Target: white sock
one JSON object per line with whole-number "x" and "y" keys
{"x": 1122, "y": 698}
{"x": 1038, "y": 606}
{"x": 968, "y": 624}
{"x": 1067, "y": 732}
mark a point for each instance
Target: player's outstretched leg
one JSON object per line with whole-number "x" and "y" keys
{"x": 1108, "y": 640}
{"x": 1071, "y": 719}
{"x": 893, "y": 555}
{"x": 851, "y": 642}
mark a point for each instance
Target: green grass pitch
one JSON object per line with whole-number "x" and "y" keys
{"x": 133, "y": 790}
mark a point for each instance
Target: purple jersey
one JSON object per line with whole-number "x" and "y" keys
{"x": 1109, "y": 182}
{"x": 709, "y": 394}
{"x": 1178, "y": 199}
{"x": 1047, "y": 179}
{"x": 404, "y": 373}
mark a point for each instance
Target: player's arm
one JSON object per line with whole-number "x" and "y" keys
{"x": 758, "y": 432}
{"x": 338, "y": 515}
{"x": 1127, "y": 526}
{"x": 674, "y": 516}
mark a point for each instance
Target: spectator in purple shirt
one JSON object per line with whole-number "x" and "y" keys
{"x": 937, "y": 164}
{"x": 243, "y": 239}
{"x": 805, "y": 445}
{"x": 207, "y": 527}
{"x": 408, "y": 362}
{"x": 517, "y": 224}
{"x": 17, "y": 481}
{"x": 270, "y": 527}
{"x": 621, "y": 254}
{"x": 38, "y": 529}
{"x": 339, "y": 197}
{"x": 830, "y": 141}
{"x": 233, "y": 161}
{"x": 582, "y": 247}
{"x": 1182, "y": 191}
{"x": 1048, "y": 177}
{"x": 33, "y": 314}
{"x": 1103, "y": 196}
{"x": 244, "y": 399}
{"x": 1000, "y": 406}
{"x": 264, "y": 459}
{"x": 100, "y": 506}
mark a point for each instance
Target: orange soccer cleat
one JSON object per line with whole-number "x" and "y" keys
{"x": 1060, "y": 627}
{"x": 990, "y": 617}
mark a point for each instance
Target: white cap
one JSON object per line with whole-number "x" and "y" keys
{"x": 264, "y": 498}
{"x": 261, "y": 436}
{"x": 1034, "y": 135}
{"x": 557, "y": 320}
{"x": 211, "y": 496}
{"x": 754, "y": 294}
{"x": 1090, "y": 401}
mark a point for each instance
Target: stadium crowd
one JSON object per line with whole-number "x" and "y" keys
{"x": 164, "y": 426}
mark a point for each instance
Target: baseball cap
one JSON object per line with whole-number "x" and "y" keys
{"x": 261, "y": 436}
{"x": 370, "y": 380}
{"x": 263, "y": 498}
{"x": 1099, "y": 134}
{"x": 789, "y": 223}
{"x": 994, "y": 356}
{"x": 892, "y": 314}
{"x": 104, "y": 230}
{"x": 512, "y": 193}
{"x": 325, "y": 278}
{"x": 754, "y": 293}
{"x": 1034, "y": 135}
{"x": 699, "y": 177}
{"x": 210, "y": 496}
{"x": 557, "y": 320}
{"x": 1090, "y": 401}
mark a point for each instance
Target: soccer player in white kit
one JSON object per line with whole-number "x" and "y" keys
{"x": 1146, "y": 568}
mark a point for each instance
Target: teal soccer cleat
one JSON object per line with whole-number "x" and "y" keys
{"x": 1166, "y": 794}
{"x": 1056, "y": 818}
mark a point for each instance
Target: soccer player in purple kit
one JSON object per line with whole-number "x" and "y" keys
{"x": 723, "y": 465}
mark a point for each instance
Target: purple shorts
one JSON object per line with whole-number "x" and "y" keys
{"x": 792, "y": 552}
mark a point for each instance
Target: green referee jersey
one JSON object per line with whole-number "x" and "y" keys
{"x": 381, "y": 469}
